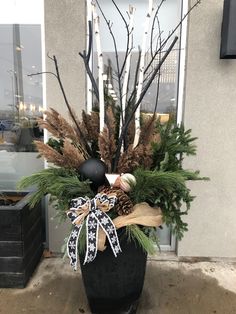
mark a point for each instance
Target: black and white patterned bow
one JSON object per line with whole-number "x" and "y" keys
{"x": 93, "y": 210}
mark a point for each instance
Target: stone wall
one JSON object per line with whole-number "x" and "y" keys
{"x": 210, "y": 110}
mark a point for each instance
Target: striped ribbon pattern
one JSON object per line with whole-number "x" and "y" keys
{"x": 94, "y": 211}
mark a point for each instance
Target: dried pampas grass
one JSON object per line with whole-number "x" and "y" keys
{"x": 70, "y": 157}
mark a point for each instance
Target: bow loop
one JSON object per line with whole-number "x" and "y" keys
{"x": 94, "y": 211}
{"x": 79, "y": 210}
{"x": 106, "y": 202}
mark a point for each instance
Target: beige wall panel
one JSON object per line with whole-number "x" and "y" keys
{"x": 210, "y": 110}
{"x": 64, "y": 38}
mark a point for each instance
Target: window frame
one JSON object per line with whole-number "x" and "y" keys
{"x": 184, "y": 5}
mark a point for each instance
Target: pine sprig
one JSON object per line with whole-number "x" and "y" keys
{"x": 192, "y": 175}
{"x": 59, "y": 182}
{"x": 150, "y": 183}
{"x": 167, "y": 190}
{"x": 174, "y": 144}
{"x": 135, "y": 234}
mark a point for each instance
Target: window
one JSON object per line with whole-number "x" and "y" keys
{"x": 166, "y": 85}
{"x": 169, "y": 17}
{"x": 21, "y": 96}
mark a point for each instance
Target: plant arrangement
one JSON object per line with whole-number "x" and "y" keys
{"x": 151, "y": 187}
{"x": 117, "y": 167}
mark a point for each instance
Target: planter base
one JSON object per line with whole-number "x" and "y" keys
{"x": 114, "y": 284}
{"x": 21, "y": 242}
{"x": 122, "y": 309}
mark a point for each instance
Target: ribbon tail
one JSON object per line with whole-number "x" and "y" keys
{"x": 72, "y": 246}
{"x": 92, "y": 238}
{"x": 109, "y": 228}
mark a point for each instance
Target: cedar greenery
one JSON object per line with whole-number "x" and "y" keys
{"x": 156, "y": 164}
{"x": 174, "y": 144}
{"x": 61, "y": 183}
{"x": 165, "y": 184}
{"x": 166, "y": 190}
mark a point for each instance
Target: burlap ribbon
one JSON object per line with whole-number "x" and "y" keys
{"x": 143, "y": 214}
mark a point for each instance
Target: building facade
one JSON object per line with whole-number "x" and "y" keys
{"x": 205, "y": 88}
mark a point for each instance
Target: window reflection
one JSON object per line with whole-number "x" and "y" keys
{"x": 20, "y": 95}
{"x": 166, "y": 84}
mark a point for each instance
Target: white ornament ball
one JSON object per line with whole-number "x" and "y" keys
{"x": 127, "y": 180}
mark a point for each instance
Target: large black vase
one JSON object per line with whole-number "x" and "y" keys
{"x": 114, "y": 284}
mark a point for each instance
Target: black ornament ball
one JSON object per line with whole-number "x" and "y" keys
{"x": 94, "y": 170}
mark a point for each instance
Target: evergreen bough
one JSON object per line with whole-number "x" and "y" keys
{"x": 163, "y": 185}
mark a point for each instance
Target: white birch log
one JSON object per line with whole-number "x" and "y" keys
{"x": 141, "y": 71}
{"x": 100, "y": 69}
{"x": 127, "y": 65}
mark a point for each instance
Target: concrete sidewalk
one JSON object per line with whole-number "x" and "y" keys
{"x": 170, "y": 288}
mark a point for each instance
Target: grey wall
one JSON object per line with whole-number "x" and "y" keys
{"x": 64, "y": 37}
{"x": 210, "y": 110}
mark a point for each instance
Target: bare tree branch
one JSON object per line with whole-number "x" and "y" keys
{"x": 159, "y": 72}
{"x": 90, "y": 74}
{"x": 86, "y": 58}
{"x": 171, "y": 34}
{"x": 39, "y": 73}
{"x": 116, "y": 55}
{"x": 128, "y": 36}
{"x": 153, "y": 25}
{"x": 49, "y": 56}
{"x": 90, "y": 43}
{"x": 141, "y": 71}
{"x": 127, "y": 64}
{"x": 78, "y": 130}
{"x": 145, "y": 89}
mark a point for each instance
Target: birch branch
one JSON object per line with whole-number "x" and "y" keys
{"x": 159, "y": 73}
{"x": 127, "y": 66}
{"x": 144, "y": 91}
{"x": 141, "y": 72}
{"x": 100, "y": 69}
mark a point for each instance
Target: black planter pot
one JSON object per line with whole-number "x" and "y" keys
{"x": 21, "y": 242}
{"x": 114, "y": 284}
